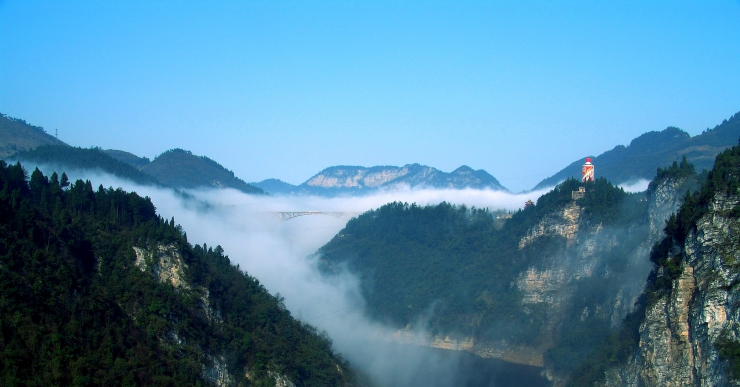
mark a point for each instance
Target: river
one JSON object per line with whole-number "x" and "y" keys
{"x": 415, "y": 366}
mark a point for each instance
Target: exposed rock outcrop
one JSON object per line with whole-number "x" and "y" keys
{"x": 165, "y": 264}
{"x": 681, "y": 329}
{"x": 563, "y": 223}
{"x": 554, "y": 288}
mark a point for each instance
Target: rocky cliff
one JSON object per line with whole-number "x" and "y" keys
{"x": 689, "y": 331}
{"x": 609, "y": 261}
{"x": 542, "y": 290}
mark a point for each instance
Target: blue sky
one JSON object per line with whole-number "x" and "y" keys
{"x": 285, "y": 89}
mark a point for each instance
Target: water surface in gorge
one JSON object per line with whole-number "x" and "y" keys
{"x": 412, "y": 366}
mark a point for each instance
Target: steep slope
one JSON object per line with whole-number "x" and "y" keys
{"x": 543, "y": 290}
{"x": 17, "y": 135}
{"x": 686, "y": 331}
{"x": 96, "y": 289}
{"x": 182, "y": 169}
{"x": 354, "y": 180}
{"x": 651, "y": 150}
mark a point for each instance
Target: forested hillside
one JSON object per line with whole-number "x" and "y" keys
{"x": 97, "y": 289}
{"x": 182, "y": 169}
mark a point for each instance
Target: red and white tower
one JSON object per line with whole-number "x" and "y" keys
{"x": 587, "y": 172}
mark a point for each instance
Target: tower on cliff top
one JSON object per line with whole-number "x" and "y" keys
{"x": 587, "y": 172}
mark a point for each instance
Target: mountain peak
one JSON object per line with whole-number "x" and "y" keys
{"x": 181, "y": 168}
{"x": 344, "y": 179}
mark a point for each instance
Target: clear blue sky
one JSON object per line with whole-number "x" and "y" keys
{"x": 285, "y": 89}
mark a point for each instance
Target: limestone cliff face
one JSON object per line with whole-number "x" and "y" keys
{"x": 665, "y": 199}
{"x": 166, "y": 265}
{"x": 554, "y": 285}
{"x": 680, "y": 329}
{"x": 563, "y": 223}
{"x": 356, "y": 177}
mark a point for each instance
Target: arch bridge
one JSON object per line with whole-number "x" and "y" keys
{"x": 285, "y": 215}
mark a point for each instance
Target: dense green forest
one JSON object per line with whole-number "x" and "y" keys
{"x": 84, "y": 158}
{"x": 453, "y": 260}
{"x": 182, "y": 169}
{"x": 77, "y": 308}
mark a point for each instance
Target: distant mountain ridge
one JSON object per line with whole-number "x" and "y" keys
{"x": 641, "y": 158}
{"x": 352, "y": 180}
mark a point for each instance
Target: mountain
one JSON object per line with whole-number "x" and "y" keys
{"x": 67, "y": 157}
{"x": 646, "y": 153}
{"x": 545, "y": 289}
{"x": 17, "y": 135}
{"x": 97, "y": 289}
{"x": 277, "y": 186}
{"x": 128, "y": 158}
{"x": 176, "y": 168}
{"x": 354, "y": 180}
{"x": 182, "y": 169}
{"x": 684, "y": 331}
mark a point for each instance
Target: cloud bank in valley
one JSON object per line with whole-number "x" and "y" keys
{"x": 635, "y": 186}
{"x": 280, "y": 255}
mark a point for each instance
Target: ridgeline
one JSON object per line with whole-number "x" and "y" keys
{"x": 97, "y": 289}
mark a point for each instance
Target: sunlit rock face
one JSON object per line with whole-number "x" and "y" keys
{"x": 356, "y": 177}
{"x": 355, "y": 180}
{"x": 552, "y": 285}
{"x": 165, "y": 264}
{"x": 679, "y": 333}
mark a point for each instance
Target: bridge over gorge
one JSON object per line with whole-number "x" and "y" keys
{"x": 285, "y": 215}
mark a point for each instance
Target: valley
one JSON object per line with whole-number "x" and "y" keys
{"x": 369, "y": 194}
{"x": 450, "y": 285}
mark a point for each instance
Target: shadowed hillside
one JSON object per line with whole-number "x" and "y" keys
{"x": 182, "y": 169}
{"x": 67, "y": 157}
{"x": 128, "y": 158}
{"x": 17, "y": 135}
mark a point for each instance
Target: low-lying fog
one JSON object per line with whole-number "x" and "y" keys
{"x": 278, "y": 253}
